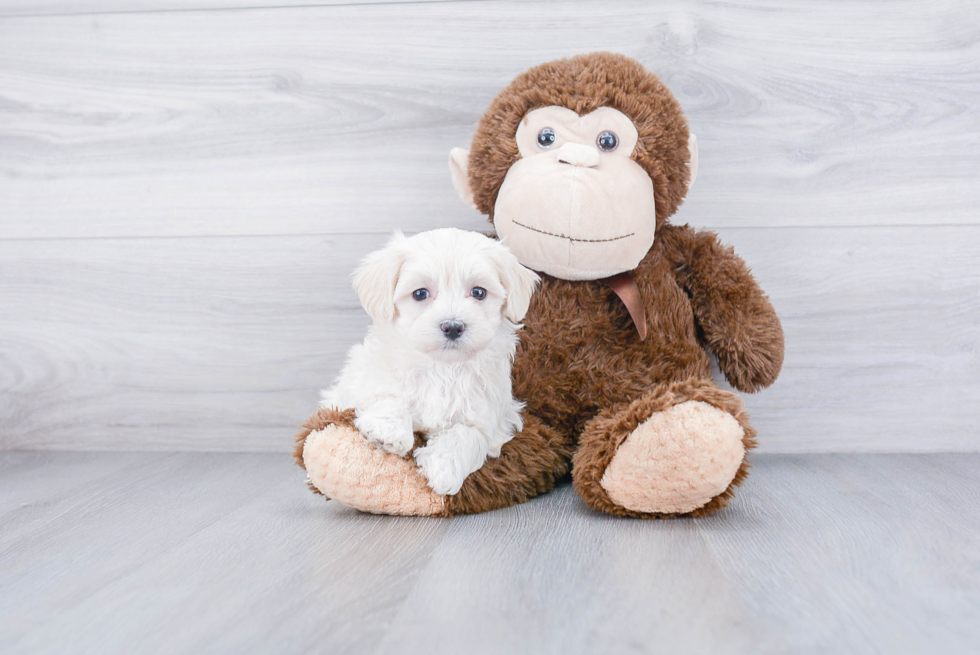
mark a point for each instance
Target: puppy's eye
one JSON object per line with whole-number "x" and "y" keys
{"x": 607, "y": 141}
{"x": 420, "y": 294}
{"x": 479, "y": 293}
{"x": 546, "y": 138}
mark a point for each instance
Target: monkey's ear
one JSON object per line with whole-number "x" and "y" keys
{"x": 376, "y": 277}
{"x": 519, "y": 282}
{"x": 458, "y": 166}
{"x": 692, "y": 146}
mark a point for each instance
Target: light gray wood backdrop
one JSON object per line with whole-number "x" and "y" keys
{"x": 185, "y": 185}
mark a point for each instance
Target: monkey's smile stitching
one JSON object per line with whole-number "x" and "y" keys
{"x": 562, "y": 236}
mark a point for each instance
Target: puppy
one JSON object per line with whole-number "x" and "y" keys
{"x": 437, "y": 357}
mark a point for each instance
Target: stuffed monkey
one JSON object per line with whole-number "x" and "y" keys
{"x": 579, "y": 164}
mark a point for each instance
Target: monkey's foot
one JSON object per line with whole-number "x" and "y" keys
{"x": 677, "y": 450}
{"x": 345, "y": 467}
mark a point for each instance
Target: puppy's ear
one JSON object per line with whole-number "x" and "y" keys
{"x": 518, "y": 281}
{"x": 375, "y": 278}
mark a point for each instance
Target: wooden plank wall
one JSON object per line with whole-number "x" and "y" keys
{"x": 185, "y": 185}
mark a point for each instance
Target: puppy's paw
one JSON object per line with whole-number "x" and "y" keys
{"x": 391, "y": 433}
{"x": 440, "y": 468}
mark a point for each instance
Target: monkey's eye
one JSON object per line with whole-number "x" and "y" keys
{"x": 607, "y": 141}
{"x": 420, "y": 294}
{"x": 546, "y": 138}
{"x": 479, "y": 293}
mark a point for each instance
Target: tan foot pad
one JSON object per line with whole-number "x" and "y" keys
{"x": 346, "y": 468}
{"x": 677, "y": 460}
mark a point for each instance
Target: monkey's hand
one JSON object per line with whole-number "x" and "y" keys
{"x": 739, "y": 324}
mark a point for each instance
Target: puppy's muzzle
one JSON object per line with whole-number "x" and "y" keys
{"x": 452, "y": 329}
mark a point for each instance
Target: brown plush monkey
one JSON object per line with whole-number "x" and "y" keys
{"x": 579, "y": 163}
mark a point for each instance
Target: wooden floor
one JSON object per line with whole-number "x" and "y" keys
{"x": 228, "y": 553}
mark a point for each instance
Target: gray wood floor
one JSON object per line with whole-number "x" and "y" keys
{"x": 175, "y": 553}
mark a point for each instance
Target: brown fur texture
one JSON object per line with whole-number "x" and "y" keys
{"x": 528, "y": 466}
{"x": 737, "y": 322}
{"x": 587, "y": 378}
{"x": 580, "y": 357}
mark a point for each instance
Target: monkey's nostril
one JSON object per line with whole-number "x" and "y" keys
{"x": 452, "y": 329}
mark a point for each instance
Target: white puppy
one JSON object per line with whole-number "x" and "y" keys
{"x": 438, "y": 354}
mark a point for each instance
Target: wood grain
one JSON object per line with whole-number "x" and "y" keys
{"x": 24, "y": 8}
{"x": 613, "y": 593}
{"x": 224, "y": 343}
{"x": 338, "y": 119}
{"x": 885, "y": 536}
{"x": 230, "y": 553}
{"x": 882, "y": 338}
{"x": 172, "y": 343}
{"x": 142, "y": 555}
{"x": 183, "y": 194}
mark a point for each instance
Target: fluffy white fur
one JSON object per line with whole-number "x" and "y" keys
{"x": 408, "y": 375}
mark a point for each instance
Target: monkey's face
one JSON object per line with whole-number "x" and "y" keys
{"x": 575, "y": 205}
{"x": 578, "y": 185}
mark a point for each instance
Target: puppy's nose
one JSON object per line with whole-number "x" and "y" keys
{"x": 578, "y": 155}
{"x": 452, "y": 329}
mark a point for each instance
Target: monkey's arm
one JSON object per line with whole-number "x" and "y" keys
{"x": 739, "y": 324}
